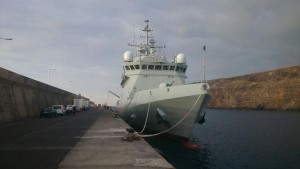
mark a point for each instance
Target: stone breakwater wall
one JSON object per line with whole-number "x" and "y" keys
{"x": 272, "y": 90}
{"x": 22, "y": 97}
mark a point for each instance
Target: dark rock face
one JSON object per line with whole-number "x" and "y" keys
{"x": 276, "y": 89}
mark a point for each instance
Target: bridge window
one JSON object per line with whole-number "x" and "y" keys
{"x": 127, "y": 67}
{"x": 131, "y": 67}
{"x": 165, "y": 67}
{"x": 184, "y": 69}
{"x": 144, "y": 66}
{"x": 158, "y": 67}
{"x": 137, "y": 66}
{"x": 181, "y": 69}
{"x": 172, "y": 67}
{"x": 177, "y": 68}
{"x": 150, "y": 66}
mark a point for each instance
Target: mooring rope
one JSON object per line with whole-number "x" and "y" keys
{"x": 149, "y": 102}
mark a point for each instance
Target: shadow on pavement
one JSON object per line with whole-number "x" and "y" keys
{"x": 42, "y": 143}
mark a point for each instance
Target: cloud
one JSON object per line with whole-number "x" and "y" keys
{"x": 85, "y": 40}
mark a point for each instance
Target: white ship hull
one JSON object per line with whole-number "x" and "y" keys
{"x": 175, "y": 102}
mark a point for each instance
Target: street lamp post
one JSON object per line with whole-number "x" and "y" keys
{"x": 49, "y": 69}
{"x": 70, "y": 87}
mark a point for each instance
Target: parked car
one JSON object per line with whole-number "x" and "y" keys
{"x": 71, "y": 109}
{"x": 60, "y": 109}
{"x": 48, "y": 112}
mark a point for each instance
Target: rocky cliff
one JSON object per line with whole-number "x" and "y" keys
{"x": 276, "y": 89}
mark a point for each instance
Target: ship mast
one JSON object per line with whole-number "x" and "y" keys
{"x": 147, "y": 30}
{"x": 144, "y": 48}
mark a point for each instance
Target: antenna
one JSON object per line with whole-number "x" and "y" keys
{"x": 203, "y": 64}
{"x": 147, "y": 30}
{"x": 165, "y": 40}
{"x": 133, "y": 41}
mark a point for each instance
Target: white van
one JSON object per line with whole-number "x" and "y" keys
{"x": 60, "y": 109}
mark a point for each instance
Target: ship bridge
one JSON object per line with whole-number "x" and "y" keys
{"x": 149, "y": 70}
{"x": 167, "y": 67}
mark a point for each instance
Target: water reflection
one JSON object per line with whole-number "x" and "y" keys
{"x": 181, "y": 157}
{"x": 239, "y": 139}
{"x": 206, "y": 158}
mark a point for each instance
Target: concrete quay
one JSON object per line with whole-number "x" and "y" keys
{"x": 102, "y": 147}
{"x": 22, "y": 97}
{"x": 89, "y": 140}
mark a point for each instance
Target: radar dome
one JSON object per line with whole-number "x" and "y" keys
{"x": 180, "y": 58}
{"x": 128, "y": 56}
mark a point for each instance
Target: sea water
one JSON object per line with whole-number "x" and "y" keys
{"x": 234, "y": 139}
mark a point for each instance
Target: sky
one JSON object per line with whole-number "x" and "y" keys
{"x": 84, "y": 40}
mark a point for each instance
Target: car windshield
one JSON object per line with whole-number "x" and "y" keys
{"x": 56, "y": 107}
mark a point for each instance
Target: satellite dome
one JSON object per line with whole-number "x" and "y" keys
{"x": 128, "y": 56}
{"x": 152, "y": 41}
{"x": 180, "y": 58}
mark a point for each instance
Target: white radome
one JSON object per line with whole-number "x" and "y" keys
{"x": 180, "y": 58}
{"x": 128, "y": 56}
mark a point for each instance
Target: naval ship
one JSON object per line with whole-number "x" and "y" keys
{"x": 155, "y": 97}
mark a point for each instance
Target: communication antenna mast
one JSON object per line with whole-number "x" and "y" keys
{"x": 165, "y": 41}
{"x": 133, "y": 41}
{"x": 147, "y": 30}
{"x": 203, "y": 64}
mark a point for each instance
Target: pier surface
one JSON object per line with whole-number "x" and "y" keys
{"x": 89, "y": 140}
{"x": 102, "y": 147}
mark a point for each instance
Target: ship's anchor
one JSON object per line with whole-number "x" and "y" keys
{"x": 202, "y": 120}
{"x": 161, "y": 116}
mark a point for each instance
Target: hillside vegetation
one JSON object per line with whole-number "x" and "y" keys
{"x": 276, "y": 89}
